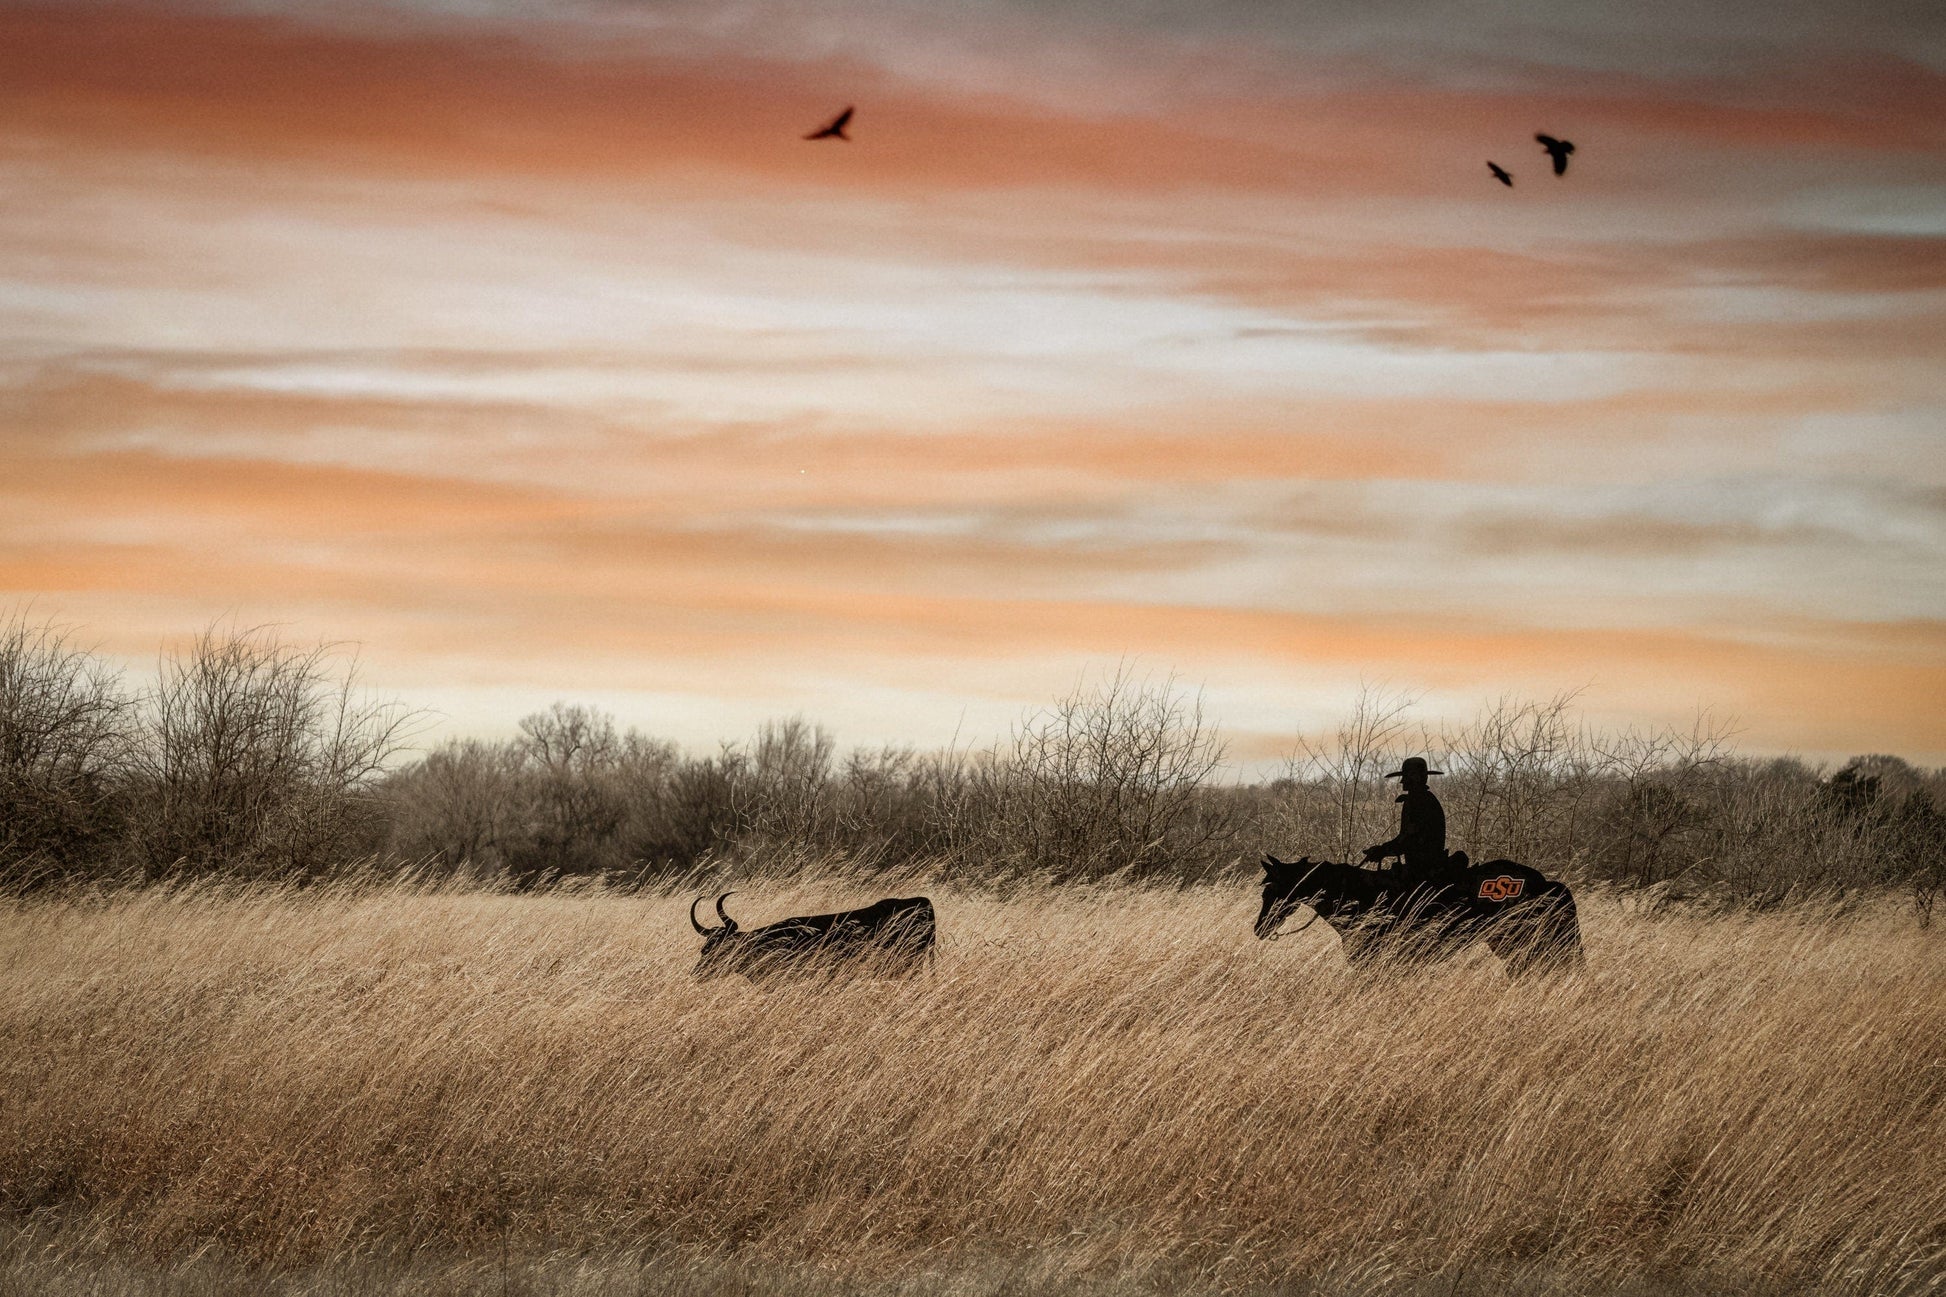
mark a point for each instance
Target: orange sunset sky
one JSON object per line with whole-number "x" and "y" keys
{"x": 528, "y": 345}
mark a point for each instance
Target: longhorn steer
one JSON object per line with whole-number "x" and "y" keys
{"x": 894, "y": 935}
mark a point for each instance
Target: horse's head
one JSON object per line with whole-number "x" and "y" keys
{"x": 1289, "y": 884}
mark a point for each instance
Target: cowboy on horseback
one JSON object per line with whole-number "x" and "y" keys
{"x": 1421, "y": 841}
{"x": 1432, "y": 903}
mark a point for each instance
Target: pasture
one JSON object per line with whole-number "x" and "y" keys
{"x": 1095, "y": 1089}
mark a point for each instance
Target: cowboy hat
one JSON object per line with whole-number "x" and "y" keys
{"x": 1413, "y": 766}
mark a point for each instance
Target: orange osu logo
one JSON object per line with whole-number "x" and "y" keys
{"x": 1503, "y": 888}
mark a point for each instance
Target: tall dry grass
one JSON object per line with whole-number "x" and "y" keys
{"x": 1091, "y": 1083}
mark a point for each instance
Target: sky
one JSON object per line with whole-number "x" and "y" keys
{"x": 528, "y": 347}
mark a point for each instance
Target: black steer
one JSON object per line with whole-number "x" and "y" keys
{"x": 1527, "y": 920}
{"x": 894, "y": 935}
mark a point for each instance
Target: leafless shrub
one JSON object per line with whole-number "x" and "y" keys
{"x": 1926, "y": 884}
{"x": 1116, "y": 778}
{"x": 786, "y": 794}
{"x": 1874, "y": 822}
{"x": 1653, "y": 821}
{"x": 1518, "y": 780}
{"x": 63, "y": 727}
{"x": 458, "y": 807}
{"x": 574, "y": 806}
{"x": 887, "y": 806}
{"x": 1110, "y": 779}
{"x": 570, "y": 796}
{"x": 688, "y": 814}
{"x": 254, "y": 758}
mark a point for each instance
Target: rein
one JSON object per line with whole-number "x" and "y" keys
{"x": 1279, "y": 936}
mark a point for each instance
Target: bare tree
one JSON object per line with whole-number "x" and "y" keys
{"x": 63, "y": 726}
{"x": 1110, "y": 779}
{"x": 1517, "y": 779}
{"x": 574, "y": 808}
{"x": 254, "y": 758}
{"x": 786, "y": 796}
{"x": 1655, "y": 818}
{"x": 460, "y": 806}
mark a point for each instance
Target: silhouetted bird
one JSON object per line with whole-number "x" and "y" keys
{"x": 1500, "y": 174}
{"x": 1558, "y": 150}
{"x": 834, "y": 131}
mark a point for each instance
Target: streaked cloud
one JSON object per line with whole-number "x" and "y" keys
{"x": 535, "y": 350}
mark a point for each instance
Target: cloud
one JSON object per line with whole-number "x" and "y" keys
{"x": 1465, "y": 41}
{"x": 461, "y": 102}
{"x": 540, "y": 345}
{"x": 1247, "y": 201}
{"x": 523, "y": 99}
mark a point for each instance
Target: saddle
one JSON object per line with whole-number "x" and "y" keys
{"x": 1492, "y": 882}
{"x": 1453, "y": 870}
{"x": 1458, "y": 880}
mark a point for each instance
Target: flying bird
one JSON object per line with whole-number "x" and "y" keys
{"x": 1558, "y": 150}
{"x": 1501, "y": 174}
{"x": 835, "y": 130}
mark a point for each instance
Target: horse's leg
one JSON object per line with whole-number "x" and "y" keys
{"x": 1515, "y": 941}
{"x": 1371, "y": 945}
{"x": 1365, "y": 955}
{"x": 1423, "y": 936}
{"x": 1564, "y": 929}
{"x": 1543, "y": 934}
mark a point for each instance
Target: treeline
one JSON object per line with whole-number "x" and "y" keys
{"x": 246, "y": 758}
{"x": 251, "y": 758}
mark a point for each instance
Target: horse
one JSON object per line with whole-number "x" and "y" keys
{"x": 1528, "y": 920}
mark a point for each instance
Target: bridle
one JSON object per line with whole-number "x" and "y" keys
{"x": 1289, "y": 904}
{"x": 1279, "y": 935}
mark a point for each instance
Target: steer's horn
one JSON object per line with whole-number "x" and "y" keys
{"x": 692, "y": 917}
{"x": 723, "y": 914}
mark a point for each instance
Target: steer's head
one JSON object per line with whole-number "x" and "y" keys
{"x": 719, "y": 943}
{"x": 1287, "y": 885}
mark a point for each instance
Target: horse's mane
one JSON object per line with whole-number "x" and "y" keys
{"x": 1335, "y": 876}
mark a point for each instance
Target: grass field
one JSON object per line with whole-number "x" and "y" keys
{"x": 1107, "y": 1090}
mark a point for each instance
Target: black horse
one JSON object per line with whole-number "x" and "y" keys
{"x": 1527, "y": 920}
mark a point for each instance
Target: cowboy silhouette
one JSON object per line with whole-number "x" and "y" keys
{"x": 1421, "y": 842}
